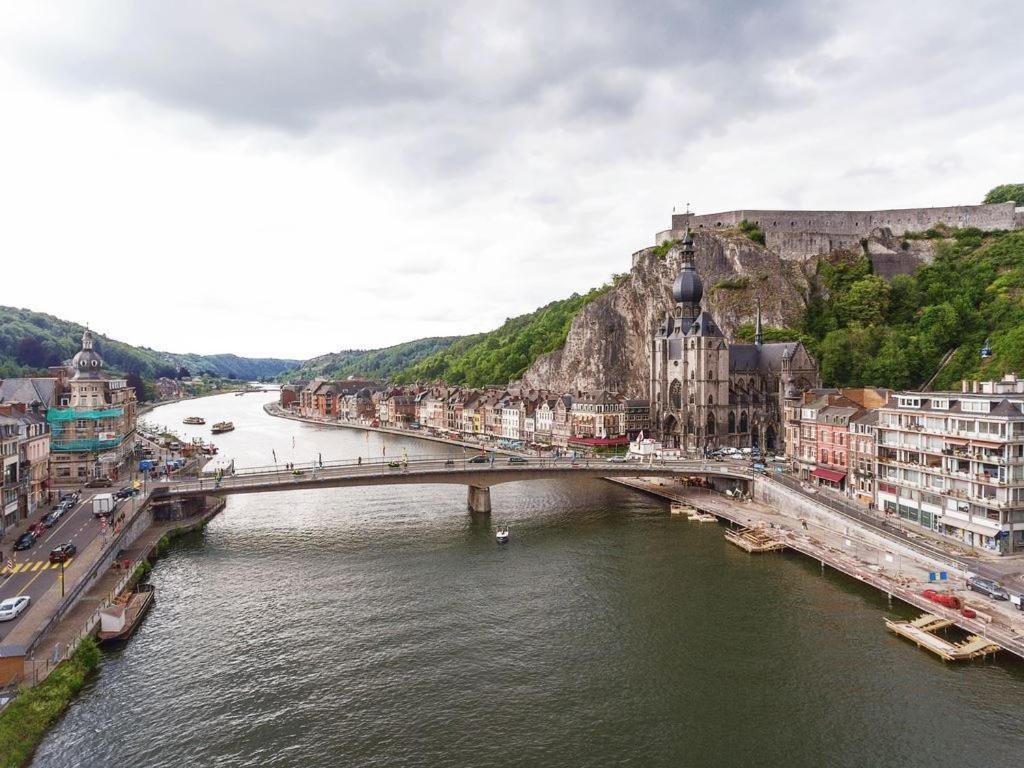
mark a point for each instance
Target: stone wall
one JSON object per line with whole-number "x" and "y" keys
{"x": 800, "y": 234}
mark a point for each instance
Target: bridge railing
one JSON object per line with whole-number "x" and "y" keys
{"x": 292, "y": 474}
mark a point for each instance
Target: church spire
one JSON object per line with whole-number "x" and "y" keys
{"x": 758, "y": 335}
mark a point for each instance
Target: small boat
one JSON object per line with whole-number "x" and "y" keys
{"x": 222, "y": 426}
{"x": 502, "y": 535}
{"x": 193, "y": 420}
{"x": 119, "y": 621}
{"x": 676, "y": 508}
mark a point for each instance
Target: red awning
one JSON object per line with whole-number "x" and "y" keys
{"x": 828, "y": 474}
{"x": 599, "y": 441}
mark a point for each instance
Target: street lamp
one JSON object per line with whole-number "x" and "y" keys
{"x": 62, "y": 576}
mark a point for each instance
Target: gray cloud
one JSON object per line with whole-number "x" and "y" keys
{"x": 432, "y": 64}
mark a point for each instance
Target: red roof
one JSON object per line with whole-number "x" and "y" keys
{"x": 828, "y": 474}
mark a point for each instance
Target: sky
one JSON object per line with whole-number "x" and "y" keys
{"x": 289, "y": 179}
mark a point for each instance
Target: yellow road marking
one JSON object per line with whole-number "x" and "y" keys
{"x": 35, "y": 565}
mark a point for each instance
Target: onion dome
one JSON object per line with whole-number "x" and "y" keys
{"x": 87, "y": 362}
{"x": 688, "y": 289}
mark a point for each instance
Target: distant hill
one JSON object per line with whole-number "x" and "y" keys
{"x": 493, "y": 357}
{"x": 32, "y": 341}
{"x": 370, "y": 363}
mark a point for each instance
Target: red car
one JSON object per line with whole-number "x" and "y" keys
{"x": 63, "y": 553}
{"x": 38, "y": 529}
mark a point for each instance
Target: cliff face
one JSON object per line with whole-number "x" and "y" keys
{"x": 607, "y": 344}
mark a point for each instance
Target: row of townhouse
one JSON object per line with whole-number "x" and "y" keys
{"x": 25, "y": 459}
{"x": 514, "y": 415}
{"x": 949, "y": 462}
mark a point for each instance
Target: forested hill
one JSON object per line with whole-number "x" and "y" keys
{"x": 369, "y": 363}
{"x": 503, "y": 354}
{"x": 494, "y": 357}
{"x": 32, "y": 341}
{"x": 867, "y": 331}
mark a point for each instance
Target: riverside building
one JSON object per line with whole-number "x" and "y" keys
{"x": 93, "y": 431}
{"x": 953, "y": 462}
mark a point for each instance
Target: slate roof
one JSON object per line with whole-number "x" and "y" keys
{"x": 28, "y": 391}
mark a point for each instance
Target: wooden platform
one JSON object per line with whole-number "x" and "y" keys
{"x": 920, "y": 631}
{"x": 754, "y": 540}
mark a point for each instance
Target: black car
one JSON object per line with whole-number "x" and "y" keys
{"x": 63, "y": 553}
{"x": 479, "y": 460}
{"x": 68, "y": 497}
{"x": 25, "y": 541}
{"x": 99, "y": 482}
{"x": 517, "y": 460}
{"x": 126, "y": 493}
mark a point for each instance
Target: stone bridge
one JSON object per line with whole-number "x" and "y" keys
{"x": 477, "y": 475}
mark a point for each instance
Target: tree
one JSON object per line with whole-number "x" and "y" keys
{"x": 865, "y": 302}
{"x": 1005, "y": 193}
{"x": 135, "y": 382}
{"x": 32, "y": 353}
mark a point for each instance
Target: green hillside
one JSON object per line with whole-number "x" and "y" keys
{"x": 32, "y": 341}
{"x": 505, "y": 353}
{"x": 870, "y": 332}
{"x": 370, "y": 363}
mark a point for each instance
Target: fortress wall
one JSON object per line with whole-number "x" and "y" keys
{"x": 998, "y": 216}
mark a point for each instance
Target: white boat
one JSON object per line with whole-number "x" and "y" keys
{"x": 502, "y": 535}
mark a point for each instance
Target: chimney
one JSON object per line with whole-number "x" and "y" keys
{"x": 963, "y": 386}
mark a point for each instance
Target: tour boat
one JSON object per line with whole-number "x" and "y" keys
{"x": 221, "y": 427}
{"x": 120, "y": 620}
{"x": 676, "y": 508}
{"x": 502, "y": 535}
{"x": 193, "y": 420}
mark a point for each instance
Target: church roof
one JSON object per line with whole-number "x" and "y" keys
{"x": 705, "y": 325}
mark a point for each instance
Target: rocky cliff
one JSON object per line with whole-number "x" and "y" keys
{"x": 607, "y": 344}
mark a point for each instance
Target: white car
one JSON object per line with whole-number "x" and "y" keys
{"x": 618, "y": 459}
{"x": 12, "y": 607}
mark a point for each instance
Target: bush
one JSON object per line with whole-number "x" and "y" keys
{"x": 28, "y": 717}
{"x": 753, "y": 231}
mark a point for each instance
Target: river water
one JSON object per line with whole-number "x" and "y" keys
{"x": 385, "y": 627}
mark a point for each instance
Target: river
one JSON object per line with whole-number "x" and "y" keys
{"x": 385, "y": 627}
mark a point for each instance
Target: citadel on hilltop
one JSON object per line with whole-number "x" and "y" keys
{"x": 803, "y": 234}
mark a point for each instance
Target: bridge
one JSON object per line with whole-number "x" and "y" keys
{"x": 477, "y": 475}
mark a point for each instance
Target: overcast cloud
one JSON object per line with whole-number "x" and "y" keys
{"x": 294, "y": 178}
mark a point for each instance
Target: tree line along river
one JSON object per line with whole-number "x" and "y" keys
{"x": 384, "y": 626}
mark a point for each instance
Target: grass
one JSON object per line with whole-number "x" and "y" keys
{"x": 28, "y": 717}
{"x": 752, "y": 230}
{"x": 732, "y": 284}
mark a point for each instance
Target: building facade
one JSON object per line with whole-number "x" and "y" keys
{"x": 95, "y": 433}
{"x": 707, "y": 392}
{"x": 953, "y": 462}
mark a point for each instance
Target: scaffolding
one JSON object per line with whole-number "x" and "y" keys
{"x": 59, "y": 420}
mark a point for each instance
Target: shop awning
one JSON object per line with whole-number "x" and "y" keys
{"x": 986, "y": 444}
{"x": 828, "y": 474}
{"x": 954, "y": 441}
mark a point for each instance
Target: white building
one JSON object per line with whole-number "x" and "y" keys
{"x": 953, "y": 462}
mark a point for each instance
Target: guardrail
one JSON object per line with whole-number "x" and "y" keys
{"x": 84, "y": 583}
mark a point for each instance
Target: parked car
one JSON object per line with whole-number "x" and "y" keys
{"x": 13, "y": 607}
{"x": 618, "y": 459}
{"x": 38, "y": 530}
{"x": 100, "y": 482}
{"x": 69, "y": 497}
{"x": 987, "y": 587}
{"x": 63, "y": 553}
{"x": 479, "y": 460}
{"x": 25, "y": 541}
{"x": 51, "y": 519}
{"x": 517, "y": 460}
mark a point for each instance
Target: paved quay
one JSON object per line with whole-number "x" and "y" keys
{"x": 899, "y": 570}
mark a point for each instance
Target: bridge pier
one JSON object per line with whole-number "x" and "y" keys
{"x": 478, "y": 499}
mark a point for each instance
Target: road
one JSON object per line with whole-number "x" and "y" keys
{"x": 32, "y": 573}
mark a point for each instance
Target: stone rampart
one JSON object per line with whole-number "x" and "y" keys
{"x": 797, "y": 234}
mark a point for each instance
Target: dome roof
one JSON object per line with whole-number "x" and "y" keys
{"x": 87, "y": 362}
{"x": 688, "y": 289}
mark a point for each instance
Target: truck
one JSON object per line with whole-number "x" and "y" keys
{"x": 102, "y": 504}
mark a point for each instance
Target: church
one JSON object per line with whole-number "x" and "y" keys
{"x": 708, "y": 393}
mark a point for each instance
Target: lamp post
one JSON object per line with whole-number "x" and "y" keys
{"x": 62, "y": 577}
